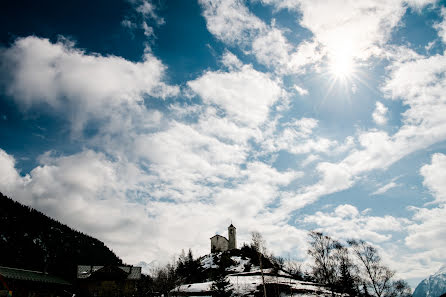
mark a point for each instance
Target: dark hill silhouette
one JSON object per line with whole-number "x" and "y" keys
{"x": 31, "y": 240}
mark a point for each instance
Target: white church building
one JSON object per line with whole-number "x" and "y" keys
{"x": 220, "y": 243}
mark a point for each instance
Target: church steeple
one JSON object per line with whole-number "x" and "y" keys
{"x": 232, "y": 237}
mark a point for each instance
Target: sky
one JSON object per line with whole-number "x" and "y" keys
{"x": 152, "y": 125}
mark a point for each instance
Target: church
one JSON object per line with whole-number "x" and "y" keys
{"x": 221, "y": 244}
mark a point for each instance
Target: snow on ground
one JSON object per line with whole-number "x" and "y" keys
{"x": 193, "y": 288}
{"x": 247, "y": 284}
{"x": 239, "y": 264}
{"x": 208, "y": 261}
{"x": 243, "y": 284}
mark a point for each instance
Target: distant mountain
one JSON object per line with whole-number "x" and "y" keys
{"x": 148, "y": 268}
{"x": 31, "y": 240}
{"x": 434, "y": 286}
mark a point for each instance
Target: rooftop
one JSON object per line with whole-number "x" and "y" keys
{"x": 30, "y": 275}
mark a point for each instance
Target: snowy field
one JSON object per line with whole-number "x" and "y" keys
{"x": 245, "y": 285}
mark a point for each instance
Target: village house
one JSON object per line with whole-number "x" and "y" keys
{"x": 108, "y": 281}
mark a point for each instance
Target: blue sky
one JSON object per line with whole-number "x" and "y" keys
{"x": 152, "y": 125}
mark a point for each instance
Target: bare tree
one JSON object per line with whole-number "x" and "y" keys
{"x": 400, "y": 288}
{"x": 322, "y": 250}
{"x": 377, "y": 276}
{"x": 258, "y": 243}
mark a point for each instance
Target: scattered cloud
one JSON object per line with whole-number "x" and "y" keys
{"x": 441, "y": 27}
{"x": 385, "y": 188}
{"x": 231, "y": 21}
{"x": 434, "y": 175}
{"x": 148, "y": 10}
{"x": 346, "y": 222}
{"x": 428, "y": 230}
{"x": 359, "y": 31}
{"x": 301, "y": 91}
{"x": 379, "y": 115}
{"x": 148, "y": 31}
{"x": 245, "y": 95}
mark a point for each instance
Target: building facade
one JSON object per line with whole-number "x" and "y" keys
{"x": 108, "y": 281}
{"x": 221, "y": 244}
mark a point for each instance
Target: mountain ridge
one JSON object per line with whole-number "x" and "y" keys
{"x": 433, "y": 286}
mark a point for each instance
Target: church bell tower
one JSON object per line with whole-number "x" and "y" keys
{"x": 232, "y": 242}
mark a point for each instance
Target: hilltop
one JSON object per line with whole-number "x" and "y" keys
{"x": 242, "y": 276}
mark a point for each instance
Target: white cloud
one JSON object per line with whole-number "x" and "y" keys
{"x": 128, "y": 24}
{"x": 385, "y": 188}
{"x": 441, "y": 27}
{"x": 230, "y": 20}
{"x": 271, "y": 48}
{"x": 296, "y": 138}
{"x": 379, "y": 115}
{"x": 355, "y": 29}
{"x": 148, "y": 31}
{"x": 9, "y": 176}
{"x": 429, "y": 231}
{"x": 231, "y": 61}
{"x": 346, "y": 222}
{"x": 83, "y": 85}
{"x": 245, "y": 95}
{"x": 233, "y": 23}
{"x": 301, "y": 91}
{"x": 435, "y": 176}
{"x": 147, "y": 9}
{"x": 310, "y": 159}
{"x": 358, "y": 30}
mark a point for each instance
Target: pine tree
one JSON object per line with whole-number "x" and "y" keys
{"x": 221, "y": 287}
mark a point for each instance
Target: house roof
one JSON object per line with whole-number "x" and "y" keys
{"x": 30, "y": 275}
{"x": 85, "y": 271}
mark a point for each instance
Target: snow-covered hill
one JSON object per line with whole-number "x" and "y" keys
{"x": 246, "y": 280}
{"x": 247, "y": 284}
{"x": 434, "y": 286}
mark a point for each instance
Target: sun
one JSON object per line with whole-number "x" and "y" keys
{"x": 341, "y": 66}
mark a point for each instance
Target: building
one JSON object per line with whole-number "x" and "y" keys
{"x": 22, "y": 282}
{"x": 220, "y": 243}
{"x": 108, "y": 281}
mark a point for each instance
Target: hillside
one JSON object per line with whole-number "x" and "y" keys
{"x": 31, "y": 240}
{"x": 244, "y": 278}
{"x": 433, "y": 286}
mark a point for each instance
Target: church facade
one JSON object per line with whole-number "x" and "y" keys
{"x": 220, "y": 243}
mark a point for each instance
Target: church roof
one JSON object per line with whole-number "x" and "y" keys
{"x": 232, "y": 226}
{"x": 218, "y": 235}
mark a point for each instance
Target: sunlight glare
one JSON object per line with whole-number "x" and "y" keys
{"x": 341, "y": 63}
